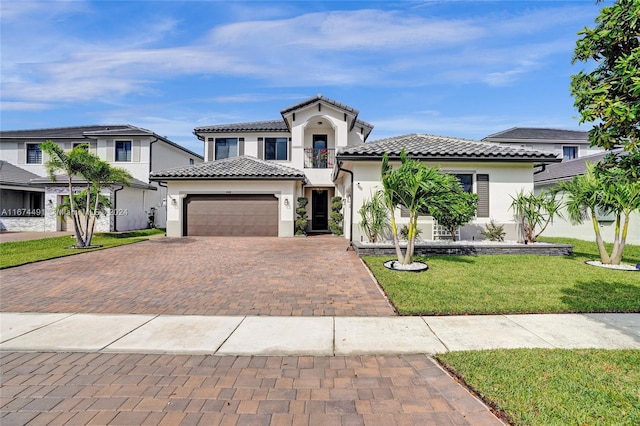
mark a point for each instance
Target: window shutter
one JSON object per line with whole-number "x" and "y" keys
{"x": 261, "y": 148}
{"x": 22, "y": 153}
{"x": 135, "y": 151}
{"x": 240, "y": 147}
{"x": 68, "y": 146}
{"x": 93, "y": 147}
{"x": 482, "y": 183}
{"x": 110, "y": 156}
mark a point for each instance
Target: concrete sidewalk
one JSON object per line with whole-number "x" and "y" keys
{"x": 316, "y": 336}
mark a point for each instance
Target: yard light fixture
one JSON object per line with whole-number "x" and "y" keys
{"x": 286, "y": 202}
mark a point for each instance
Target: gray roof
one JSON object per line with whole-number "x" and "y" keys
{"x": 567, "y": 169}
{"x": 234, "y": 168}
{"x": 82, "y": 133}
{"x": 253, "y": 126}
{"x": 539, "y": 134}
{"x": 428, "y": 147}
{"x": 14, "y": 175}
{"x": 62, "y": 180}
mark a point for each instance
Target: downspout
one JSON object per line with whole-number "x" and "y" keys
{"x": 166, "y": 205}
{"x": 350, "y": 207}
{"x": 115, "y": 207}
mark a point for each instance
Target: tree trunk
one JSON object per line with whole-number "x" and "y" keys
{"x": 616, "y": 255}
{"x": 73, "y": 215}
{"x": 604, "y": 256}
{"x": 396, "y": 242}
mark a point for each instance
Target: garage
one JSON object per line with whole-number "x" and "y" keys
{"x": 231, "y": 215}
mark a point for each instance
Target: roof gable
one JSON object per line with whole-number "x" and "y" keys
{"x": 431, "y": 147}
{"x": 316, "y": 99}
{"x": 234, "y": 168}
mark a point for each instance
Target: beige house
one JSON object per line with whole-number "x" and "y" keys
{"x": 30, "y": 198}
{"x": 254, "y": 172}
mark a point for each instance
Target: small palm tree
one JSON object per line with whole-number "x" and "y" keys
{"x": 374, "y": 216}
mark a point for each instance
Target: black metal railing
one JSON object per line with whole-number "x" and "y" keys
{"x": 319, "y": 158}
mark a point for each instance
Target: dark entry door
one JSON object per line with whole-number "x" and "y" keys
{"x": 320, "y": 206}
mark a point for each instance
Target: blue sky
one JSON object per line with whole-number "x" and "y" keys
{"x": 452, "y": 68}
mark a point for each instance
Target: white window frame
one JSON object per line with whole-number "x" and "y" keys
{"x": 37, "y": 145}
{"x": 115, "y": 151}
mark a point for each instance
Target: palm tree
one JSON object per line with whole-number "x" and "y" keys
{"x": 102, "y": 175}
{"x": 417, "y": 188}
{"x": 96, "y": 173}
{"x": 73, "y": 164}
{"x": 609, "y": 190}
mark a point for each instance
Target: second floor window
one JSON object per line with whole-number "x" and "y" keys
{"x": 123, "y": 150}
{"x": 569, "y": 152}
{"x": 275, "y": 149}
{"x": 226, "y": 148}
{"x": 34, "y": 154}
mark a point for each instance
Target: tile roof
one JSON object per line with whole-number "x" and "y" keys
{"x": 61, "y": 180}
{"x": 539, "y": 133}
{"x": 442, "y": 148}
{"x": 242, "y": 167}
{"x": 553, "y": 173}
{"x": 75, "y": 132}
{"x": 253, "y": 126}
{"x": 14, "y": 175}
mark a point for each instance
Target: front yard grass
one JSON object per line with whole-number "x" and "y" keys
{"x": 554, "y": 386}
{"x": 506, "y": 284}
{"x": 22, "y": 252}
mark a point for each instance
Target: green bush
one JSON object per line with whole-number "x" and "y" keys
{"x": 301, "y": 220}
{"x": 336, "y": 217}
{"x": 493, "y": 231}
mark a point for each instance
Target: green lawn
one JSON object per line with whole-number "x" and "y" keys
{"x": 503, "y": 284}
{"x": 554, "y": 386}
{"x": 21, "y": 252}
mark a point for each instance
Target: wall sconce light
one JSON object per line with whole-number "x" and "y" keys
{"x": 174, "y": 202}
{"x": 50, "y": 201}
{"x": 286, "y": 202}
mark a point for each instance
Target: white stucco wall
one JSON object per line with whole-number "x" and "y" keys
{"x": 563, "y": 227}
{"x": 504, "y": 180}
{"x": 286, "y": 191}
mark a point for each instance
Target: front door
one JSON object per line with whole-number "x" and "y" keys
{"x": 320, "y": 213}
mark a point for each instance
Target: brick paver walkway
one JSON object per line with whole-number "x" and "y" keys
{"x": 203, "y": 276}
{"x": 126, "y": 389}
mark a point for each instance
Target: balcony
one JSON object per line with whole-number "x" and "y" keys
{"x": 319, "y": 158}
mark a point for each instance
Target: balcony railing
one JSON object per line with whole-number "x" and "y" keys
{"x": 319, "y": 158}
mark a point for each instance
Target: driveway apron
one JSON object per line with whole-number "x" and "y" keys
{"x": 313, "y": 276}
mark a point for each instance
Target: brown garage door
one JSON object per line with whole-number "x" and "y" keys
{"x": 232, "y": 215}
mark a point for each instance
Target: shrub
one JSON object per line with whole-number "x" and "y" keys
{"x": 336, "y": 216}
{"x": 493, "y": 231}
{"x": 301, "y": 220}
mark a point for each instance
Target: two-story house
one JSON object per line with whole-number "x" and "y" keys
{"x": 30, "y": 199}
{"x": 565, "y": 144}
{"x": 254, "y": 173}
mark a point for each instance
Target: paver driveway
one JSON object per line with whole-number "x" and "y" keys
{"x": 203, "y": 276}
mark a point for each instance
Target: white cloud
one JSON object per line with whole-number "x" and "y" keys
{"x": 353, "y": 48}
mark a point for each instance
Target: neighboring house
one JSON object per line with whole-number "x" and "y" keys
{"x": 551, "y": 175}
{"x": 137, "y": 150}
{"x": 565, "y": 144}
{"x": 254, "y": 172}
